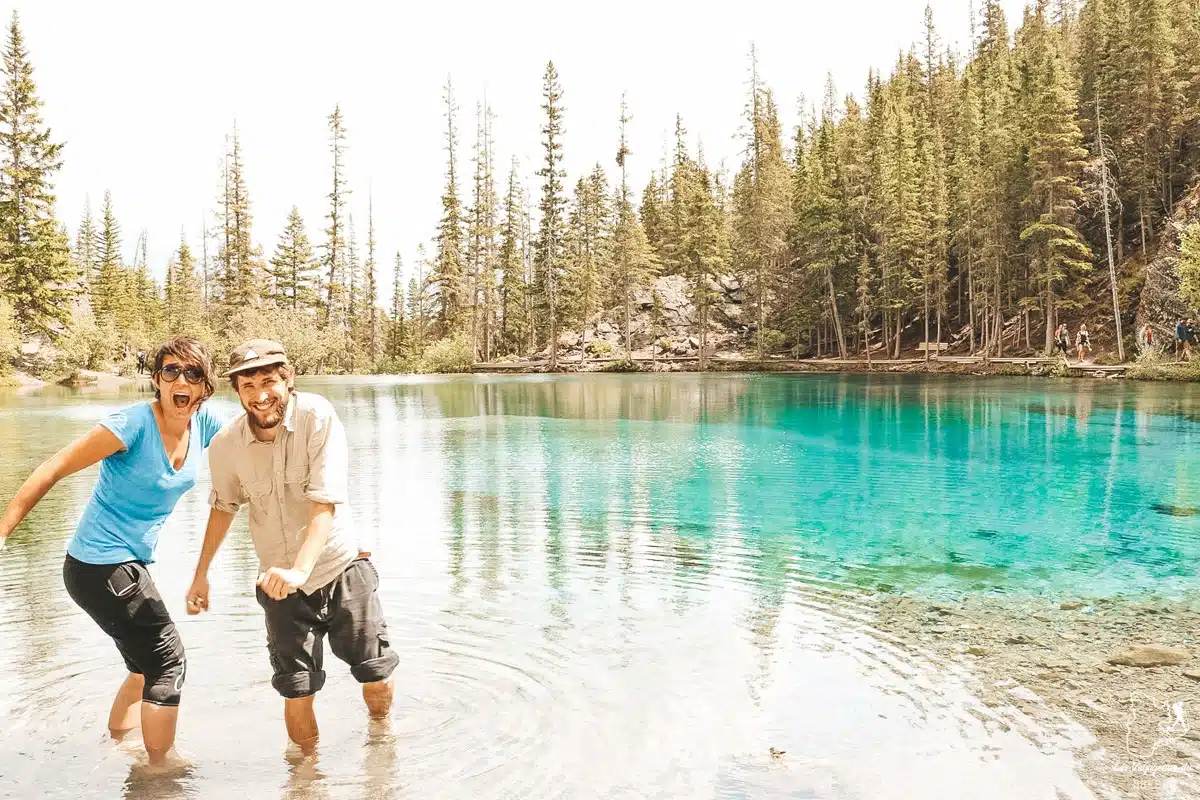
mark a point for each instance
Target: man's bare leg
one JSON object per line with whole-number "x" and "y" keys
{"x": 378, "y": 697}
{"x": 126, "y": 713}
{"x": 301, "y": 721}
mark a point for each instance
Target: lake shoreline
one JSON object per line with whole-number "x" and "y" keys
{"x": 1071, "y": 664}
{"x": 1032, "y": 366}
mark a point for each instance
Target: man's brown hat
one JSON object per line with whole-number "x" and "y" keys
{"x": 254, "y": 354}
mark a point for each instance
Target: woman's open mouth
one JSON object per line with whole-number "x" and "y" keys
{"x": 181, "y": 399}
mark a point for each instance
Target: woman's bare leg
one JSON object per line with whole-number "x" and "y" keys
{"x": 126, "y": 713}
{"x": 158, "y": 732}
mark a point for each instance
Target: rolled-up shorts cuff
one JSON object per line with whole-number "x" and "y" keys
{"x": 376, "y": 669}
{"x": 293, "y": 685}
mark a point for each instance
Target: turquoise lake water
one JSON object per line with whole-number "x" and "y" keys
{"x": 630, "y": 586}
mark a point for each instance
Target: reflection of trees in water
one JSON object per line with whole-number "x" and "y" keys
{"x": 915, "y": 477}
{"x": 43, "y": 624}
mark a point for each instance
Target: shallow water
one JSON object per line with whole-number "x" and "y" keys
{"x": 630, "y": 586}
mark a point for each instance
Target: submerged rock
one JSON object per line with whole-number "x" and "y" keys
{"x": 1149, "y": 655}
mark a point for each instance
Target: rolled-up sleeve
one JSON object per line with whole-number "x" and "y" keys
{"x": 227, "y": 494}
{"x": 327, "y": 458}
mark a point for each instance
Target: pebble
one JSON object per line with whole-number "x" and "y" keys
{"x": 1070, "y": 605}
{"x": 1192, "y": 673}
{"x": 976, "y": 650}
{"x": 1149, "y": 655}
{"x": 942, "y": 629}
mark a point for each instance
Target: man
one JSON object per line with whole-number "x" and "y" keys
{"x": 1183, "y": 340}
{"x": 286, "y": 457}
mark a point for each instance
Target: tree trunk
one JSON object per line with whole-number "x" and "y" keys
{"x": 899, "y": 328}
{"x": 939, "y": 333}
{"x": 837, "y": 319}
{"x": 926, "y": 320}
{"x": 1112, "y": 268}
{"x": 628, "y": 333}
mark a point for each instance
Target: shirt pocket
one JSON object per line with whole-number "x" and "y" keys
{"x": 295, "y": 483}
{"x": 258, "y": 492}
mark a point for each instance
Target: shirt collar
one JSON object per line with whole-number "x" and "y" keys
{"x": 289, "y": 421}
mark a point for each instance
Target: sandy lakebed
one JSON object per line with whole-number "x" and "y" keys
{"x": 1116, "y": 678}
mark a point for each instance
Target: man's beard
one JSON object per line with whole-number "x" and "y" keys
{"x": 274, "y": 417}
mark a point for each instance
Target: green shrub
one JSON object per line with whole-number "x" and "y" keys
{"x": 625, "y": 365}
{"x": 599, "y": 347}
{"x": 88, "y": 345}
{"x": 309, "y": 347}
{"x": 452, "y": 354}
{"x": 1165, "y": 371}
{"x": 772, "y": 340}
{"x": 10, "y": 338}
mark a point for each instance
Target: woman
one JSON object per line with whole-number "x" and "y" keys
{"x": 150, "y": 453}
{"x": 1083, "y": 342}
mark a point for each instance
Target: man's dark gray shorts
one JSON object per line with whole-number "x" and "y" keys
{"x": 347, "y": 609}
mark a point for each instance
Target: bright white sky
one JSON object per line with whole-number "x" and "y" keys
{"x": 144, "y": 92}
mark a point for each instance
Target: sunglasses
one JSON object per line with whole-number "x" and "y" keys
{"x": 171, "y": 372}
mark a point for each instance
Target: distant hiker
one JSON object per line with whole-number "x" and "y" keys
{"x": 1183, "y": 340}
{"x": 1146, "y": 340}
{"x": 1083, "y": 341}
{"x": 1062, "y": 339}
{"x": 141, "y": 361}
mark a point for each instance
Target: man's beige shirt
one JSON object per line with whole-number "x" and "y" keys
{"x": 280, "y": 480}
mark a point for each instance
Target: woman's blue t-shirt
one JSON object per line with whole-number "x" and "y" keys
{"x": 138, "y": 488}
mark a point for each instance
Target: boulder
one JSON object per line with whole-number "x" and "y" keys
{"x": 1149, "y": 655}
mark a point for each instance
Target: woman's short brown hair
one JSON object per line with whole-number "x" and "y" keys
{"x": 189, "y": 351}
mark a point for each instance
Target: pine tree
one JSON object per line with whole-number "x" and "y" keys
{"x": 935, "y": 181}
{"x": 35, "y": 266}
{"x": 335, "y": 236}
{"x": 240, "y": 267}
{"x": 551, "y": 232}
{"x": 107, "y": 290}
{"x": 514, "y": 323}
{"x": 633, "y": 257}
{"x": 352, "y": 290}
{"x": 1152, "y": 102}
{"x": 653, "y": 213}
{"x": 184, "y": 309}
{"x": 700, "y": 250}
{"x": 1056, "y": 160}
{"x": 419, "y": 302}
{"x": 294, "y": 272}
{"x": 448, "y": 268}
{"x": 762, "y": 195}
{"x": 481, "y": 240}
{"x": 86, "y": 260}
{"x": 587, "y": 249}
{"x": 993, "y": 90}
{"x": 370, "y": 339}
{"x": 396, "y": 328}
